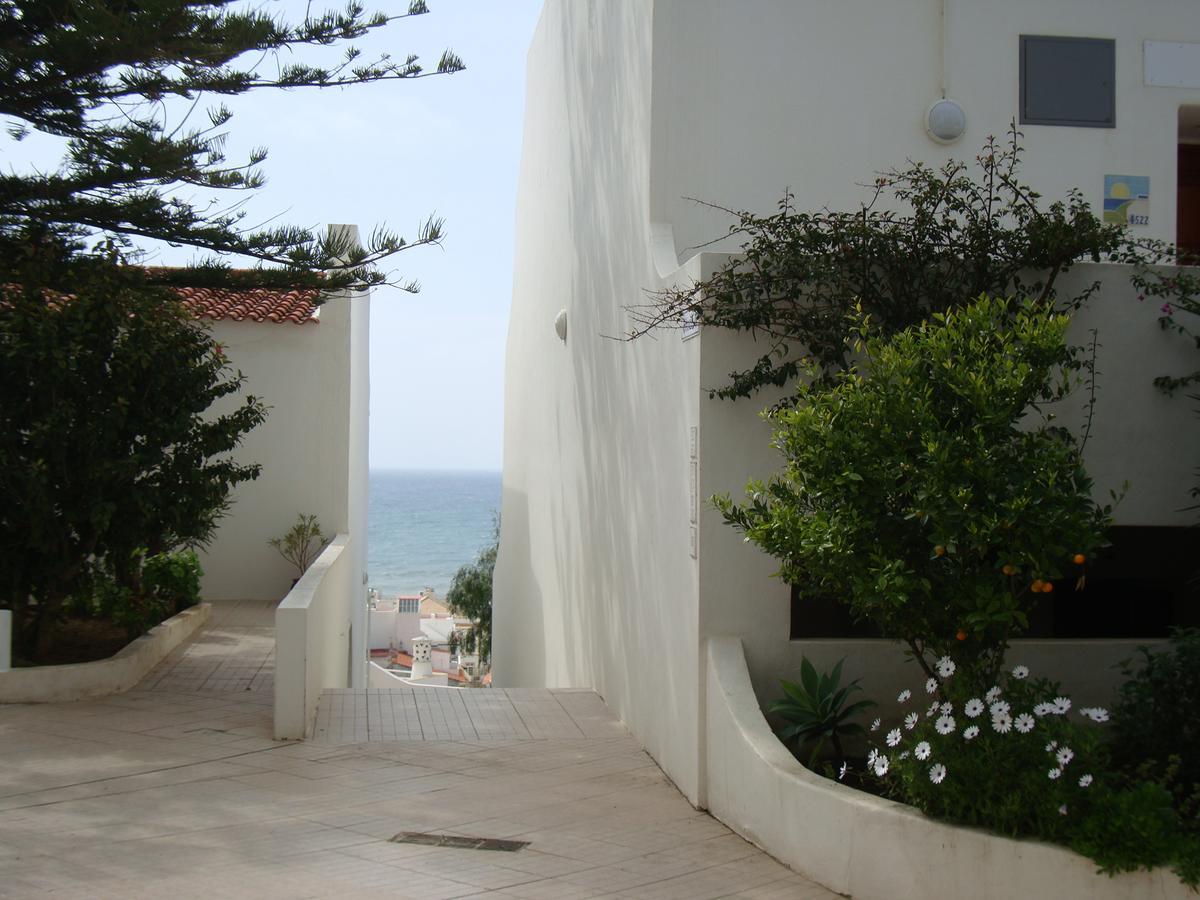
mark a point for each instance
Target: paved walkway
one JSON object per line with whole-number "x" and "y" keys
{"x": 176, "y": 789}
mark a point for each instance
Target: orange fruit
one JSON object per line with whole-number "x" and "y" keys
{"x": 1047, "y": 587}
{"x": 939, "y": 550}
{"x": 1079, "y": 559}
{"x": 962, "y": 635}
{"x": 1009, "y": 570}
{"x": 1036, "y": 587}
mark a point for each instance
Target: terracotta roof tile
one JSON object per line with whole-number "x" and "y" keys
{"x": 278, "y": 305}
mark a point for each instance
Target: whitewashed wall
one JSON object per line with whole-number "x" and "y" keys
{"x": 595, "y": 585}
{"x": 301, "y": 372}
{"x": 634, "y": 107}
{"x": 312, "y": 448}
{"x": 754, "y": 97}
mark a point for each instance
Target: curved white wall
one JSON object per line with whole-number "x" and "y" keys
{"x": 866, "y": 847}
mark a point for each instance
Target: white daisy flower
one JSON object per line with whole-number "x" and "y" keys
{"x": 1052, "y": 746}
{"x": 904, "y": 755}
{"x": 946, "y": 708}
{"x": 1085, "y": 781}
{"x": 930, "y": 685}
{"x": 881, "y": 765}
{"x": 1002, "y": 723}
{"x": 999, "y": 707}
{"x": 1061, "y": 705}
{"x": 1064, "y": 756}
{"x": 871, "y": 757}
{"x": 945, "y": 725}
{"x": 970, "y": 732}
{"x": 842, "y": 772}
{"x": 933, "y": 709}
{"x": 1053, "y": 774}
{"x": 937, "y": 773}
{"x": 1020, "y": 672}
{"x": 911, "y": 720}
{"x": 1095, "y": 713}
{"x": 1043, "y": 709}
{"x": 992, "y": 696}
{"x": 945, "y": 667}
{"x": 973, "y": 707}
{"x": 1062, "y": 810}
{"x": 875, "y": 725}
{"x": 893, "y": 737}
{"x": 923, "y": 751}
{"x": 1024, "y": 723}
{"x": 904, "y": 695}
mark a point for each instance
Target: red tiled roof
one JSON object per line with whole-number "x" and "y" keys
{"x": 256, "y": 304}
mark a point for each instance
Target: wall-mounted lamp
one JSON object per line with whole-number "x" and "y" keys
{"x": 945, "y": 121}
{"x": 560, "y": 325}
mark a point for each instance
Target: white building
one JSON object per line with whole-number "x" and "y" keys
{"x": 309, "y": 365}
{"x": 606, "y": 577}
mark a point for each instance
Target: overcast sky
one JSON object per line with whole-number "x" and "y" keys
{"x": 396, "y": 153}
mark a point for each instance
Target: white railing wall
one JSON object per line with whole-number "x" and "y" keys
{"x": 312, "y": 639}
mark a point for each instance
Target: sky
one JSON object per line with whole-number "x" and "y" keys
{"x": 395, "y": 153}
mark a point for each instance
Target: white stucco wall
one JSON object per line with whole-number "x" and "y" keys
{"x": 633, "y": 108}
{"x": 595, "y": 585}
{"x": 312, "y": 448}
{"x": 758, "y": 96}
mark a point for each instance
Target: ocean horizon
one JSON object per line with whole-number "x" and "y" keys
{"x": 424, "y": 524}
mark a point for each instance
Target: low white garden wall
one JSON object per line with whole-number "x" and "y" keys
{"x": 864, "y": 846}
{"x": 120, "y": 672}
{"x": 379, "y": 677}
{"x": 312, "y": 639}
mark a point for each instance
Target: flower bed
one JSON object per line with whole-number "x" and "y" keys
{"x": 866, "y": 846}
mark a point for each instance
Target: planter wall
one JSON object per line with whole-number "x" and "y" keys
{"x": 120, "y": 672}
{"x": 864, "y": 846}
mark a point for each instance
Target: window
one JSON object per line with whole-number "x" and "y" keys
{"x": 1068, "y": 81}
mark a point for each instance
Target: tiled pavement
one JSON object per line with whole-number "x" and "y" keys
{"x": 175, "y": 789}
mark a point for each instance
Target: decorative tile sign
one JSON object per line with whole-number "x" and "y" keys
{"x": 1127, "y": 199}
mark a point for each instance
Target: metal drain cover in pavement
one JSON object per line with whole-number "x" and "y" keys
{"x": 456, "y": 841}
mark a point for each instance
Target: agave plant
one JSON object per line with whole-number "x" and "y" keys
{"x": 816, "y": 709}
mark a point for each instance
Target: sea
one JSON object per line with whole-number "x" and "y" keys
{"x": 422, "y": 526}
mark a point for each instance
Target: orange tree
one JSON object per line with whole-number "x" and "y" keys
{"x": 926, "y": 487}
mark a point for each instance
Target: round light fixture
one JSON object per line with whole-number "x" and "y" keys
{"x": 945, "y": 121}
{"x": 560, "y": 324}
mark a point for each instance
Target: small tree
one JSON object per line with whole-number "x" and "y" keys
{"x": 106, "y": 453}
{"x": 470, "y": 596}
{"x": 296, "y": 546}
{"x": 926, "y": 488}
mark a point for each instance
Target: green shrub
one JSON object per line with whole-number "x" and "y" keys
{"x": 1017, "y": 758}
{"x": 925, "y": 487}
{"x": 173, "y": 578}
{"x": 162, "y": 585}
{"x": 296, "y": 545}
{"x": 816, "y": 709}
{"x": 1157, "y": 717}
{"x": 1136, "y": 827}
